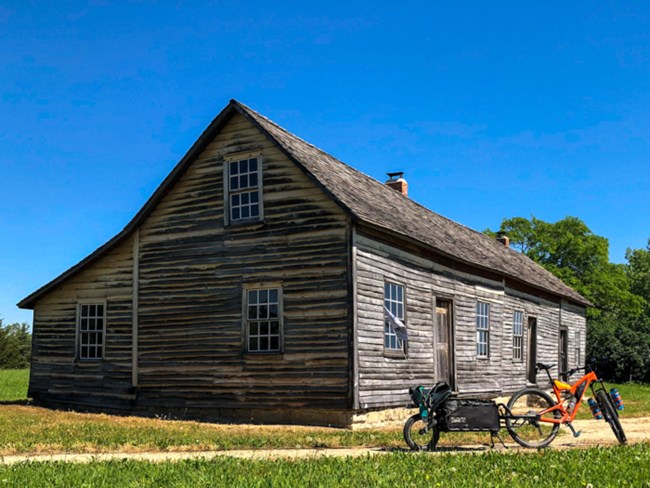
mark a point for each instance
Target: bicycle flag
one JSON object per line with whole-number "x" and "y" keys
{"x": 398, "y": 326}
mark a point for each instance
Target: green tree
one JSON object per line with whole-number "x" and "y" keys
{"x": 638, "y": 270}
{"x": 15, "y": 346}
{"x": 618, "y": 326}
{"x": 580, "y": 258}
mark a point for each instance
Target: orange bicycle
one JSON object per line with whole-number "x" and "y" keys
{"x": 533, "y": 418}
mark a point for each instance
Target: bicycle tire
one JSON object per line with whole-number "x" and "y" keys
{"x": 419, "y": 436}
{"x": 522, "y": 422}
{"x": 611, "y": 416}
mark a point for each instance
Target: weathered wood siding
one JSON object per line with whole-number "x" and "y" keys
{"x": 56, "y": 375}
{"x": 192, "y": 273}
{"x": 384, "y": 380}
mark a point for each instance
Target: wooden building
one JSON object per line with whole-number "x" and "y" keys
{"x": 254, "y": 283}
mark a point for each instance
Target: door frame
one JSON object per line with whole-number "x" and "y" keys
{"x": 452, "y": 338}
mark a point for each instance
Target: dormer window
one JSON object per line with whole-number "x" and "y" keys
{"x": 243, "y": 186}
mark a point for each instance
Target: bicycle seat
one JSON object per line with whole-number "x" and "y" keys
{"x": 545, "y": 366}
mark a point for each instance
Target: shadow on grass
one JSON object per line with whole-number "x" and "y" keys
{"x": 23, "y": 401}
{"x": 440, "y": 449}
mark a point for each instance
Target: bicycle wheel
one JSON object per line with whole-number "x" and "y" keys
{"x": 611, "y": 416}
{"x": 525, "y": 424}
{"x": 419, "y": 435}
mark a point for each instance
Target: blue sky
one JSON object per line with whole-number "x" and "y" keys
{"x": 493, "y": 111}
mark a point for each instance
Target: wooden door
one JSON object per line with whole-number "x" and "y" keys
{"x": 532, "y": 349}
{"x": 443, "y": 342}
{"x": 564, "y": 352}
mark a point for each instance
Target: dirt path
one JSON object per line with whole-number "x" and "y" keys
{"x": 594, "y": 433}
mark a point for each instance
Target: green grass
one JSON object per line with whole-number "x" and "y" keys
{"x": 597, "y": 467}
{"x": 636, "y": 398}
{"x": 13, "y": 384}
{"x": 29, "y": 429}
{"x": 33, "y": 429}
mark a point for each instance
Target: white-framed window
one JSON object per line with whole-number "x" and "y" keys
{"x": 263, "y": 312}
{"x": 91, "y": 327}
{"x": 393, "y": 301}
{"x": 577, "y": 351}
{"x": 517, "y": 335}
{"x": 243, "y": 189}
{"x": 482, "y": 329}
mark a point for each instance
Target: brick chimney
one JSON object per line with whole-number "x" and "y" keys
{"x": 504, "y": 239}
{"x": 397, "y": 182}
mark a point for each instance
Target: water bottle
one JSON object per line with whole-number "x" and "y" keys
{"x": 595, "y": 410}
{"x": 571, "y": 406}
{"x": 616, "y": 398}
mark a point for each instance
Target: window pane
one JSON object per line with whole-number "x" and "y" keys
{"x": 243, "y": 166}
{"x": 252, "y": 312}
{"x": 234, "y": 183}
{"x": 264, "y": 296}
{"x": 387, "y": 342}
{"x": 254, "y": 197}
{"x": 273, "y": 296}
{"x": 275, "y": 328}
{"x": 100, "y": 310}
{"x": 84, "y": 352}
{"x": 264, "y": 343}
{"x": 254, "y": 330}
{"x": 252, "y": 297}
{"x": 252, "y": 164}
{"x": 255, "y": 210}
{"x": 235, "y": 213}
{"x": 275, "y": 343}
{"x": 253, "y": 179}
{"x": 235, "y": 200}
{"x": 244, "y": 198}
{"x": 253, "y": 344}
{"x": 273, "y": 311}
{"x": 233, "y": 168}
{"x": 245, "y": 212}
{"x": 264, "y": 328}
{"x": 243, "y": 181}
{"x": 264, "y": 311}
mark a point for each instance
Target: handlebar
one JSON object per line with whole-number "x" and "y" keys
{"x": 571, "y": 372}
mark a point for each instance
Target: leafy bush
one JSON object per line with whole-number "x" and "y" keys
{"x": 15, "y": 346}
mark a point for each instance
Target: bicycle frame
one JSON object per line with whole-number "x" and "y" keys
{"x": 577, "y": 389}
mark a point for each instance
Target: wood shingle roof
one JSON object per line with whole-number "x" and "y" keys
{"x": 373, "y": 202}
{"x": 365, "y": 199}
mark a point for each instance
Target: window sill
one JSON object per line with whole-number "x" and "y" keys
{"x": 244, "y": 223}
{"x": 267, "y": 354}
{"x": 395, "y": 355}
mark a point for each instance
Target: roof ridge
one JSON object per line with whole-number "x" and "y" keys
{"x": 373, "y": 180}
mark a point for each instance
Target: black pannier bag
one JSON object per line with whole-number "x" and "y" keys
{"x": 463, "y": 415}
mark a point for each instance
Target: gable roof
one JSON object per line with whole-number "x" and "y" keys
{"x": 365, "y": 199}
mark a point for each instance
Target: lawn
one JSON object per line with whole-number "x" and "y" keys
{"x": 29, "y": 429}
{"x": 13, "y": 384}
{"x": 616, "y": 466}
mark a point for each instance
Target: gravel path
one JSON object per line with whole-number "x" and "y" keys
{"x": 594, "y": 433}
